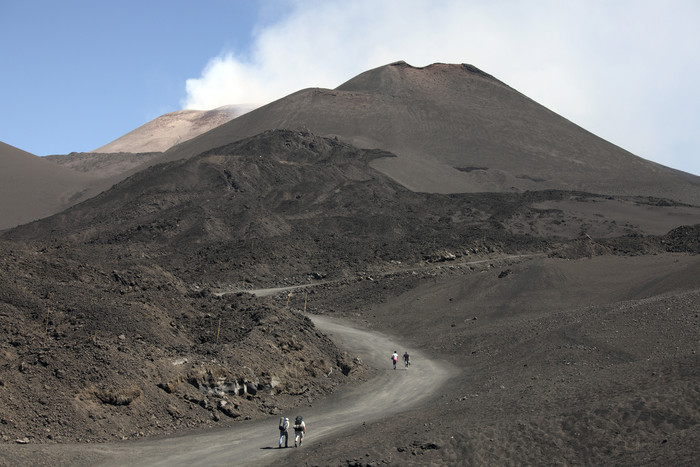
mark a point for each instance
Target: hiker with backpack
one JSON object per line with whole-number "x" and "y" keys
{"x": 284, "y": 432}
{"x": 394, "y": 358}
{"x": 299, "y": 431}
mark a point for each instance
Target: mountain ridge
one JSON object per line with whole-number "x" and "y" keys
{"x": 453, "y": 127}
{"x": 444, "y": 120}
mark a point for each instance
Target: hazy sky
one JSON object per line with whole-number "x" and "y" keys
{"x": 75, "y": 75}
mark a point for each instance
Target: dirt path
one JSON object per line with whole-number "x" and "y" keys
{"x": 390, "y": 392}
{"x": 265, "y": 292}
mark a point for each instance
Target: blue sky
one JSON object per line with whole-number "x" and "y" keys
{"x": 76, "y": 75}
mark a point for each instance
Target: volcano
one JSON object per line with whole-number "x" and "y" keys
{"x": 456, "y": 129}
{"x": 544, "y": 280}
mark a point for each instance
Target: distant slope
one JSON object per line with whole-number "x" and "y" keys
{"x": 103, "y": 165}
{"x": 453, "y": 128}
{"x": 173, "y": 128}
{"x": 294, "y": 193}
{"x": 32, "y": 187}
{"x": 457, "y": 129}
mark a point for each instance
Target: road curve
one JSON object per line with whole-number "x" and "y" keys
{"x": 254, "y": 443}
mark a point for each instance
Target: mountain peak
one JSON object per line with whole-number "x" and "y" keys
{"x": 439, "y": 66}
{"x": 401, "y": 76}
{"x": 172, "y": 128}
{"x": 455, "y": 129}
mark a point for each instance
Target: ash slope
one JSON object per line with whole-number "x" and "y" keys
{"x": 564, "y": 362}
{"x": 32, "y": 187}
{"x": 114, "y": 335}
{"x": 456, "y": 129}
{"x": 137, "y": 149}
{"x": 277, "y": 207}
{"x": 114, "y": 329}
{"x": 268, "y": 205}
{"x": 36, "y": 187}
{"x": 453, "y": 128}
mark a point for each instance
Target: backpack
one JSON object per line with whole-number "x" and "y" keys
{"x": 297, "y": 423}
{"x": 284, "y": 424}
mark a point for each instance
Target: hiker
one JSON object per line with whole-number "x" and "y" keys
{"x": 299, "y": 430}
{"x": 394, "y": 358}
{"x": 406, "y": 359}
{"x": 284, "y": 431}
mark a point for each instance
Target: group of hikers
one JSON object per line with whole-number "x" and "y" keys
{"x": 299, "y": 431}
{"x": 395, "y": 359}
{"x": 299, "y": 425}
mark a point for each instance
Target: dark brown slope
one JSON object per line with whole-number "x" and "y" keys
{"x": 587, "y": 362}
{"x": 114, "y": 331}
{"x": 286, "y": 203}
{"x": 278, "y": 205}
{"x": 456, "y": 129}
{"x": 105, "y": 301}
{"x": 32, "y": 187}
{"x": 112, "y": 327}
{"x": 105, "y": 166}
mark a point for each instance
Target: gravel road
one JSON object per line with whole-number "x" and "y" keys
{"x": 390, "y": 392}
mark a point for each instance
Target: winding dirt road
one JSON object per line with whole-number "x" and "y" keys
{"x": 390, "y": 392}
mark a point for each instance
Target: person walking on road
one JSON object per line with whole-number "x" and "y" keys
{"x": 284, "y": 431}
{"x": 394, "y": 358}
{"x": 299, "y": 431}
{"x": 406, "y": 359}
